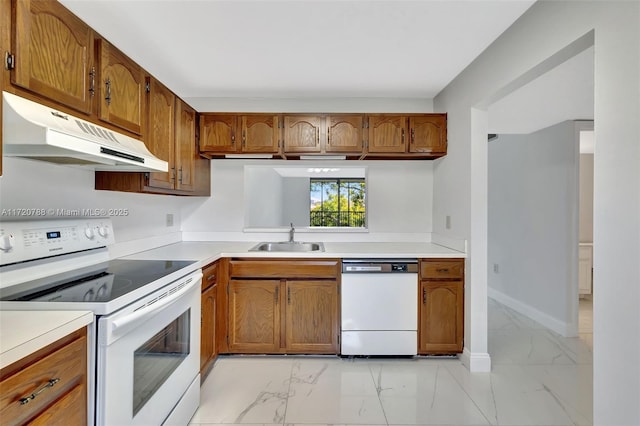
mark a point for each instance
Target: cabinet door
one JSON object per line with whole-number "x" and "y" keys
{"x": 186, "y": 148}
{"x": 302, "y": 133}
{"x": 428, "y": 133}
{"x": 387, "y": 134}
{"x": 312, "y": 317}
{"x": 53, "y": 53}
{"x": 159, "y": 137}
{"x": 441, "y": 317}
{"x": 208, "y": 327}
{"x": 254, "y": 316}
{"x": 218, "y": 133}
{"x": 122, "y": 89}
{"x": 344, "y": 133}
{"x": 260, "y": 133}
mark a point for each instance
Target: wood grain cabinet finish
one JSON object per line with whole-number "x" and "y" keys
{"x": 53, "y": 54}
{"x": 428, "y": 134}
{"x": 192, "y": 170}
{"x": 284, "y": 306}
{"x": 412, "y": 136}
{"x": 254, "y": 316}
{"x": 218, "y": 133}
{"x": 345, "y": 133}
{"x": 387, "y": 134}
{"x": 260, "y": 133}
{"x": 57, "y": 376}
{"x": 441, "y": 306}
{"x": 160, "y": 134}
{"x": 302, "y": 133}
{"x": 209, "y": 312}
{"x": 122, "y": 89}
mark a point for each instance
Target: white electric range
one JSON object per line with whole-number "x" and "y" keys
{"x": 145, "y": 341}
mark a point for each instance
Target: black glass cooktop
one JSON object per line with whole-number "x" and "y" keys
{"x": 102, "y": 282}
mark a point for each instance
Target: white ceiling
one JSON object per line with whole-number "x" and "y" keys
{"x": 322, "y": 49}
{"x": 301, "y": 48}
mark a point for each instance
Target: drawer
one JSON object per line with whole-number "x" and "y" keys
{"x": 444, "y": 269}
{"x": 68, "y": 364}
{"x": 209, "y": 275}
{"x": 283, "y": 269}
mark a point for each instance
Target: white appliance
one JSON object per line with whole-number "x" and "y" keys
{"x": 379, "y": 307}
{"x": 144, "y": 345}
{"x": 35, "y": 131}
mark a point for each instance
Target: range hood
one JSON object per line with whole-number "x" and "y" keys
{"x": 37, "y": 132}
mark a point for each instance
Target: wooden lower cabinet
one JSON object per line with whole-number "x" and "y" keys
{"x": 284, "y": 306}
{"x": 441, "y": 307}
{"x": 254, "y": 316}
{"x": 57, "y": 376}
{"x": 311, "y": 317}
{"x": 208, "y": 319}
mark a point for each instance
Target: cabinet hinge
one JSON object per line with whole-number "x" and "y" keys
{"x": 365, "y": 123}
{"x": 9, "y": 61}
{"x": 146, "y": 178}
{"x": 227, "y": 340}
{"x": 147, "y": 87}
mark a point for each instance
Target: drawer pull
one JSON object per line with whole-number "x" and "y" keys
{"x": 424, "y": 296}
{"x": 211, "y": 277}
{"x": 442, "y": 270}
{"x": 27, "y": 399}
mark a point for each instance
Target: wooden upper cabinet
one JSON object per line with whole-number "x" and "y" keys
{"x": 159, "y": 136}
{"x": 302, "y": 133}
{"x": 344, "y": 133}
{"x": 260, "y": 133}
{"x": 53, "y": 52}
{"x": 387, "y": 134}
{"x": 122, "y": 89}
{"x": 186, "y": 148}
{"x": 428, "y": 133}
{"x": 218, "y": 133}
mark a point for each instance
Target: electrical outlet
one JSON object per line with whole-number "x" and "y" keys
{"x": 496, "y": 268}
{"x": 169, "y": 219}
{"x": 447, "y": 222}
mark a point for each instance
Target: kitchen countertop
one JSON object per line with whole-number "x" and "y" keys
{"x": 24, "y": 332}
{"x": 204, "y": 253}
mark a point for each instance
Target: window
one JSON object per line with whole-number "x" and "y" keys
{"x": 337, "y": 202}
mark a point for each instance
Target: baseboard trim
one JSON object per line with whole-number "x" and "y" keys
{"x": 562, "y": 328}
{"x": 476, "y": 362}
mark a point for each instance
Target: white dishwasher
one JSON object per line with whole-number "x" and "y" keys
{"x": 379, "y": 307}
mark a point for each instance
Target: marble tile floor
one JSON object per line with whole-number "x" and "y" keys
{"x": 538, "y": 378}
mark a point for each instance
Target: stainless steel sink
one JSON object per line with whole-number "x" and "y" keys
{"x": 285, "y": 246}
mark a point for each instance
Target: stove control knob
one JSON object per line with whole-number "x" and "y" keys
{"x": 6, "y": 242}
{"x": 103, "y": 231}
{"x": 89, "y": 296}
{"x": 88, "y": 232}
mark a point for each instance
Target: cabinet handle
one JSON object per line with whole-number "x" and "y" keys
{"x": 173, "y": 174}
{"x": 288, "y": 295}
{"x": 413, "y": 135}
{"x": 277, "y": 295}
{"x": 233, "y": 138}
{"x": 244, "y": 138}
{"x": 318, "y": 136}
{"x": 108, "y": 85}
{"x": 26, "y": 399}
{"x": 211, "y": 277}
{"x": 442, "y": 270}
{"x": 92, "y": 81}
{"x": 403, "y": 136}
{"x": 180, "y": 175}
{"x": 424, "y": 296}
{"x": 328, "y": 135}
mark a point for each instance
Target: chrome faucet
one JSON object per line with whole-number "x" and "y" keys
{"x": 291, "y": 233}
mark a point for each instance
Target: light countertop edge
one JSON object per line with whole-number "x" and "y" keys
{"x": 24, "y": 332}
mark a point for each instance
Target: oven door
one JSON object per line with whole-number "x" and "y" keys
{"x": 148, "y": 357}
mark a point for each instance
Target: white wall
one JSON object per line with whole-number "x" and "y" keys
{"x": 532, "y": 218}
{"x": 399, "y": 202}
{"x": 547, "y": 33}
{"x": 35, "y": 184}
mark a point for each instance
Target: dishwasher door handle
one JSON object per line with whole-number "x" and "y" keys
{"x": 373, "y": 268}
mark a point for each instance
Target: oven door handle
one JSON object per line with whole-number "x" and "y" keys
{"x": 121, "y": 325}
